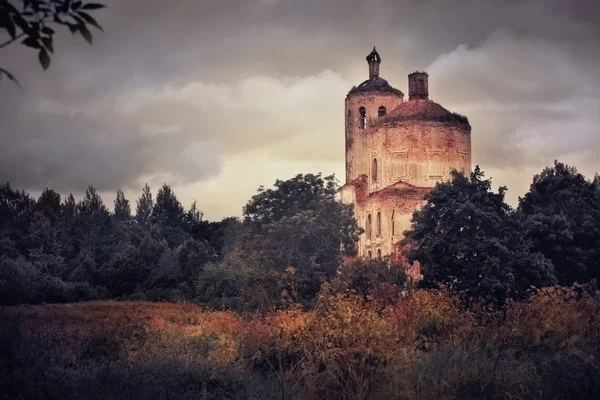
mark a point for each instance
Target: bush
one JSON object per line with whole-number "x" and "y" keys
{"x": 383, "y": 280}
{"x": 18, "y": 281}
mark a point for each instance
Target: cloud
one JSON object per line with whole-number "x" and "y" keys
{"x": 529, "y": 100}
{"x": 173, "y": 133}
{"x": 217, "y": 98}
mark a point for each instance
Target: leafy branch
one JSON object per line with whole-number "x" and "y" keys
{"x": 32, "y": 19}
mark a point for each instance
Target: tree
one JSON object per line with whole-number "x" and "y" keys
{"x": 293, "y": 235}
{"x": 31, "y": 20}
{"x": 92, "y": 204}
{"x": 69, "y": 208}
{"x": 93, "y": 231}
{"x": 168, "y": 214}
{"x": 122, "y": 208}
{"x": 192, "y": 255}
{"x": 44, "y": 246}
{"x": 16, "y": 213}
{"x": 145, "y": 204}
{"x": 563, "y": 214}
{"x": 49, "y": 204}
{"x": 468, "y": 237}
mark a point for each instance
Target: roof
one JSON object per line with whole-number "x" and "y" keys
{"x": 424, "y": 110}
{"x": 375, "y": 85}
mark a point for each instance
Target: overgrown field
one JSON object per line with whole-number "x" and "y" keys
{"x": 424, "y": 346}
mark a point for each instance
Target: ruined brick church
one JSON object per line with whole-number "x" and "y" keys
{"x": 396, "y": 151}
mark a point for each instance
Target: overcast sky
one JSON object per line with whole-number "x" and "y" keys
{"x": 218, "y": 97}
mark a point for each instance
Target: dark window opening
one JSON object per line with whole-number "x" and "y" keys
{"x": 349, "y": 118}
{"x": 382, "y": 111}
{"x": 374, "y": 172}
{"x": 393, "y": 223}
{"x": 370, "y": 255}
{"x": 369, "y": 226}
{"x": 379, "y": 254}
{"x": 378, "y": 224}
{"x": 363, "y": 117}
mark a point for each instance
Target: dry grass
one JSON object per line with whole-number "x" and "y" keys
{"x": 424, "y": 346}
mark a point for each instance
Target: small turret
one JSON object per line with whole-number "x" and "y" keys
{"x": 418, "y": 87}
{"x": 374, "y": 60}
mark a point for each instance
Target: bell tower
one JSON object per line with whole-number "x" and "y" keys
{"x": 366, "y": 104}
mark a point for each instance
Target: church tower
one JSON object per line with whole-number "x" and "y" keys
{"x": 365, "y": 104}
{"x": 396, "y": 151}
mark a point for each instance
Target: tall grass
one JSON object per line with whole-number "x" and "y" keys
{"x": 423, "y": 346}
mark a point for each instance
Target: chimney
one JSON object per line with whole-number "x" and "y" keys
{"x": 418, "y": 87}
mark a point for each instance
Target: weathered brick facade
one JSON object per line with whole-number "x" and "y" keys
{"x": 396, "y": 151}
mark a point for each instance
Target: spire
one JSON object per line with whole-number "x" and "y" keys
{"x": 374, "y": 60}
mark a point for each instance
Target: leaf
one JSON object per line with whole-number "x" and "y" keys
{"x": 24, "y": 25}
{"x": 47, "y": 41}
{"x": 31, "y": 42}
{"x": 48, "y": 31}
{"x": 88, "y": 18}
{"x": 87, "y": 35}
{"x": 9, "y": 75}
{"x": 73, "y": 28}
{"x": 44, "y": 58}
{"x": 75, "y": 5}
{"x": 10, "y": 27}
{"x": 92, "y": 6}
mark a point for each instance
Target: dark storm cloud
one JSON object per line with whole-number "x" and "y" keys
{"x": 173, "y": 90}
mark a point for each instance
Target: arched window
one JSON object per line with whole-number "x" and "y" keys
{"x": 369, "y": 226}
{"x": 374, "y": 172}
{"x": 378, "y": 224}
{"x": 349, "y": 118}
{"x": 363, "y": 117}
{"x": 379, "y": 254}
{"x": 370, "y": 255}
{"x": 382, "y": 111}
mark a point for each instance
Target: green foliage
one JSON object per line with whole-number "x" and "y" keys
{"x": 31, "y": 20}
{"x": 562, "y": 210}
{"x": 223, "y": 285}
{"x": 466, "y": 236}
{"x": 49, "y": 203}
{"x": 379, "y": 279}
{"x": 122, "y": 210}
{"x": 57, "y": 251}
{"x": 293, "y": 235}
{"x": 169, "y": 216}
{"x": 145, "y": 204}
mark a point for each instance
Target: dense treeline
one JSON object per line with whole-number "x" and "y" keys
{"x": 287, "y": 245}
{"x": 59, "y": 250}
